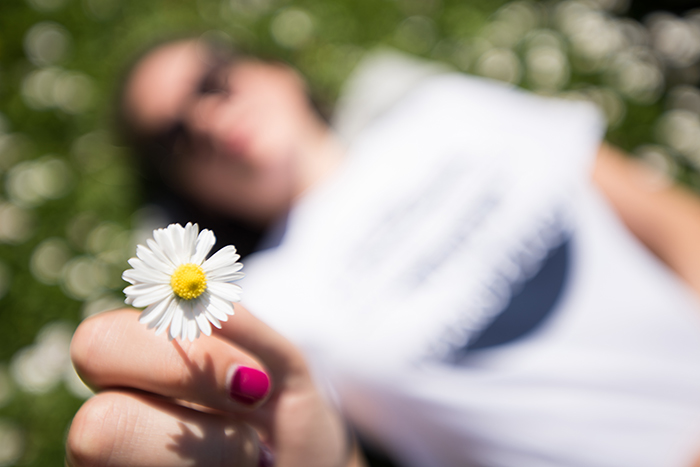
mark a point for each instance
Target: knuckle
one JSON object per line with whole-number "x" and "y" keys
{"x": 92, "y": 432}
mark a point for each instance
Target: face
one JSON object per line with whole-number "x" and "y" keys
{"x": 237, "y": 129}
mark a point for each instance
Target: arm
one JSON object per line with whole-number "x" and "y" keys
{"x": 664, "y": 216}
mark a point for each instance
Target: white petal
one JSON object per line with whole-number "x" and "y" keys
{"x": 220, "y": 308}
{"x": 159, "y": 253}
{"x": 153, "y": 260}
{"x": 164, "y": 239}
{"x": 176, "y": 323}
{"x": 188, "y": 317}
{"x": 145, "y": 276}
{"x": 177, "y": 236}
{"x": 230, "y": 292}
{"x": 215, "y": 306}
{"x": 136, "y": 263}
{"x": 167, "y": 318}
{"x": 227, "y": 269}
{"x": 190, "y": 239}
{"x": 185, "y": 328}
{"x": 177, "y": 233}
{"x": 172, "y": 231}
{"x": 139, "y": 265}
{"x": 192, "y": 330}
{"x": 151, "y": 314}
{"x": 205, "y": 242}
{"x": 202, "y": 322}
{"x": 126, "y": 278}
{"x": 229, "y": 277}
{"x": 146, "y": 294}
{"x": 212, "y": 319}
{"x": 225, "y": 257}
{"x": 231, "y": 267}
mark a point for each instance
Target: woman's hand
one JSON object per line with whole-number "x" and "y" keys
{"x": 204, "y": 403}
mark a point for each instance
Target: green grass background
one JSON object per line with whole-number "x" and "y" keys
{"x": 93, "y": 217}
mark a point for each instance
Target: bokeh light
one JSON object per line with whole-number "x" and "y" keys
{"x": 85, "y": 277}
{"x": 292, "y": 27}
{"x": 500, "y": 64}
{"x": 50, "y": 87}
{"x": 41, "y": 366}
{"x": 75, "y": 385}
{"x": 680, "y": 129}
{"x": 12, "y": 443}
{"x": 677, "y": 40}
{"x": 31, "y": 183}
{"x": 512, "y": 22}
{"x": 594, "y": 36}
{"x": 73, "y": 92}
{"x": 13, "y": 148}
{"x": 48, "y": 259}
{"x": 547, "y": 66}
{"x": 102, "y": 304}
{"x": 46, "y": 43}
{"x": 46, "y": 6}
{"x": 684, "y": 97}
{"x": 250, "y": 8}
{"x": 37, "y": 88}
{"x": 16, "y": 223}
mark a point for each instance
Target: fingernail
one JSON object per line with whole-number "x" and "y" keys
{"x": 266, "y": 458}
{"x": 248, "y": 385}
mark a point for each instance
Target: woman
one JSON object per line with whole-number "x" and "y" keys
{"x": 403, "y": 273}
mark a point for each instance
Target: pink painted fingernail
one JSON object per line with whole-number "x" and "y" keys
{"x": 248, "y": 385}
{"x": 265, "y": 458}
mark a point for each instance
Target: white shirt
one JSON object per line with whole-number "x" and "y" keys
{"x": 446, "y": 203}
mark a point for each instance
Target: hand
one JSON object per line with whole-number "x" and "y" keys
{"x": 172, "y": 403}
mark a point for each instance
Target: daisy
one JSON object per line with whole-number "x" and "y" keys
{"x": 178, "y": 286}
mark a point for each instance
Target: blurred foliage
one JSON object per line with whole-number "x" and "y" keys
{"x": 68, "y": 193}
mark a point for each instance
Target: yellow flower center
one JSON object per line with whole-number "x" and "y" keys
{"x": 188, "y": 281}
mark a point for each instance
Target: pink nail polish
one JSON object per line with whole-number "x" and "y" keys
{"x": 248, "y": 385}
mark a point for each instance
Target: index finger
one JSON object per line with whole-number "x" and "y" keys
{"x": 114, "y": 350}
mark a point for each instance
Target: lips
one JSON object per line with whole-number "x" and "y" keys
{"x": 238, "y": 143}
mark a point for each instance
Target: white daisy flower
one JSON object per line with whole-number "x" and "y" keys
{"x": 178, "y": 286}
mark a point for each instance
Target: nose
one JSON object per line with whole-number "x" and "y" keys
{"x": 219, "y": 119}
{"x": 202, "y": 116}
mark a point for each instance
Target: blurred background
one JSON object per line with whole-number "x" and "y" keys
{"x": 71, "y": 204}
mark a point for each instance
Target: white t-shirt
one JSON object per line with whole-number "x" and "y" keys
{"x": 446, "y": 204}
